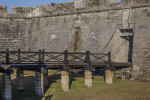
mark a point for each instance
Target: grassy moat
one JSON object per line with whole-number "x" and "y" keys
{"x": 119, "y": 90}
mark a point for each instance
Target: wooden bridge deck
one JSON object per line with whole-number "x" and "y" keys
{"x": 57, "y": 60}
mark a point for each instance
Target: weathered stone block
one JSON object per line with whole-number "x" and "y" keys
{"x": 108, "y": 76}
{"x": 80, "y": 4}
{"x": 65, "y": 81}
{"x": 88, "y": 78}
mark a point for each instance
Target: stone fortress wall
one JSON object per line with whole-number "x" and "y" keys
{"x": 82, "y": 25}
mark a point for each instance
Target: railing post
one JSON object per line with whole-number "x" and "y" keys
{"x": 40, "y": 58}
{"x": 66, "y": 58}
{"x": 43, "y": 55}
{"x": 7, "y": 56}
{"x": 88, "y": 58}
{"x": 19, "y": 51}
{"x": 109, "y": 59}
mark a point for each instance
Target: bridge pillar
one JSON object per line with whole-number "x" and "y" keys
{"x": 6, "y": 87}
{"x": 65, "y": 81}
{"x": 19, "y": 80}
{"x": 108, "y": 76}
{"x": 88, "y": 78}
{"x": 45, "y": 77}
{"x": 39, "y": 84}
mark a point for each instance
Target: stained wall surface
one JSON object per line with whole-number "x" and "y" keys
{"x": 82, "y": 25}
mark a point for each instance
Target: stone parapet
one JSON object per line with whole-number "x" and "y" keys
{"x": 108, "y": 76}
{"x": 70, "y": 8}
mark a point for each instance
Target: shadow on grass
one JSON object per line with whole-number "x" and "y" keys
{"x": 27, "y": 94}
{"x": 29, "y": 90}
{"x": 52, "y": 79}
{"x": 29, "y": 86}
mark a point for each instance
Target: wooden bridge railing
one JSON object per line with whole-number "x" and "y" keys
{"x": 42, "y": 57}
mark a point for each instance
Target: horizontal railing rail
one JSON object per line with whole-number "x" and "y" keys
{"x": 42, "y": 57}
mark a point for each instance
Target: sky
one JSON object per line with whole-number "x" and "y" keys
{"x": 28, "y": 3}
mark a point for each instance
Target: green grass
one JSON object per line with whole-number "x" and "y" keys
{"x": 119, "y": 90}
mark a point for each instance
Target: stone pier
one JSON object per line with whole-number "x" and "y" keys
{"x": 45, "y": 77}
{"x": 6, "y": 87}
{"x": 19, "y": 80}
{"x": 88, "y": 78}
{"x": 39, "y": 84}
{"x": 65, "y": 81}
{"x": 108, "y": 76}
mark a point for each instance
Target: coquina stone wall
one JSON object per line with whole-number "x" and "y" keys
{"x": 82, "y": 25}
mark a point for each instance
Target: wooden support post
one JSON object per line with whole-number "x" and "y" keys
{"x": 88, "y": 78}
{"x": 109, "y": 59}
{"x": 19, "y": 80}
{"x": 39, "y": 86}
{"x": 6, "y": 87}
{"x": 108, "y": 76}
{"x": 70, "y": 77}
{"x": 65, "y": 81}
